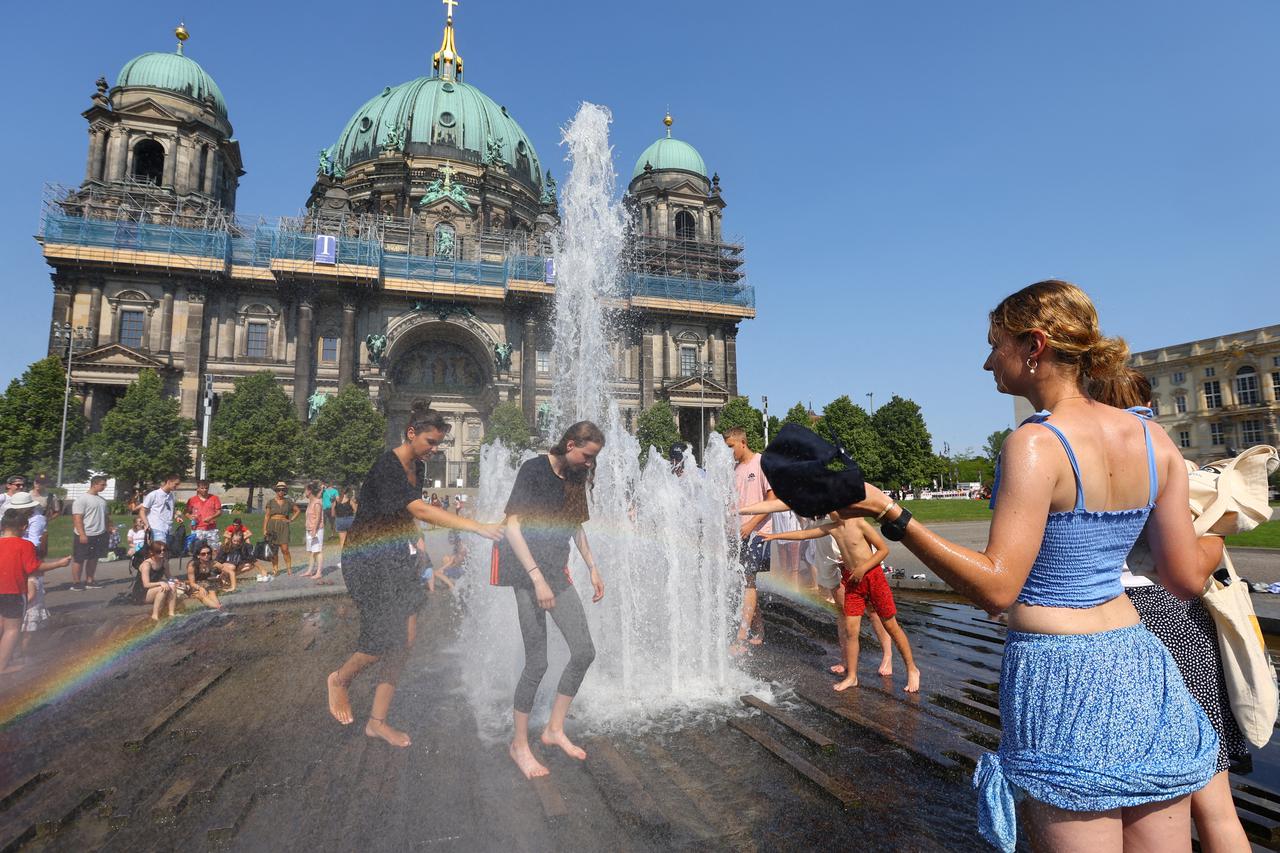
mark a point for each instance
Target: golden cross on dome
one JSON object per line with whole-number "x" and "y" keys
{"x": 450, "y": 4}
{"x": 447, "y": 171}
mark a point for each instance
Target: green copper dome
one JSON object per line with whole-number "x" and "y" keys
{"x": 436, "y": 116}
{"x": 172, "y": 72}
{"x": 671, "y": 153}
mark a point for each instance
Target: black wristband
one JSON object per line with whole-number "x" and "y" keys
{"x": 896, "y": 529}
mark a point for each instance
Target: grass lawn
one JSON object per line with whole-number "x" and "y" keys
{"x": 1263, "y": 536}
{"x": 949, "y": 510}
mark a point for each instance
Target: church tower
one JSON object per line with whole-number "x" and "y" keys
{"x": 160, "y": 138}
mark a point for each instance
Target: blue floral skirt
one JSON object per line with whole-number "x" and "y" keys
{"x": 1091, "y": 722}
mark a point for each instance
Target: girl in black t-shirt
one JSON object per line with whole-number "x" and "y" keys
{"x": 380, "y": 573}
{"x": 545, "y": 512}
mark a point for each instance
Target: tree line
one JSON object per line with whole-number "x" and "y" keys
{"x": 255, "y": 437}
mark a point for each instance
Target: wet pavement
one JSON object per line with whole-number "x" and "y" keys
{"x": 213, "y": 732}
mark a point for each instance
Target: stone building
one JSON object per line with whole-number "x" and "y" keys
{"x": 1217, "y": 393}
{"x": 1212, "y": 394}
{"x": 421, "y": 267}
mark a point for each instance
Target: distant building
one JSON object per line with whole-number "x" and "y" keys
{"x": 420, "y": 268}
{"x": 1217, "y": 393}
{"x": 1213, "y": 393}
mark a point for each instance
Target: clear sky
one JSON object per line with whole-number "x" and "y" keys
{"x": 894, "y": 168}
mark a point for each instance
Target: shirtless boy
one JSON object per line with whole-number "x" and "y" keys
{"x": 862, "y": 550}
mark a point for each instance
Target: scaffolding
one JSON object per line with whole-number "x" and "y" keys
{"x": 121, "y": 219}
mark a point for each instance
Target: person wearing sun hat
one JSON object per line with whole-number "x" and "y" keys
{"x": 278, "y": 514}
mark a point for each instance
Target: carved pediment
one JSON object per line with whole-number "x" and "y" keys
{"x": 147, "y": 108}
{"x": 696, "y": 385}
{"x": 118, "y": 356}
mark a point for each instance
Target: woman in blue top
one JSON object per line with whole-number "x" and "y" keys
{"x": 1101, "y": 742}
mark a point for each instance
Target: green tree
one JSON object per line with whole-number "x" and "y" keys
{"x": 656, "y": 427}
{"x": 255, "y": 435}
{"x": 798, "y": 414}
{"x": 344, "y": 439}
{"x": 507, "y": 425}
{"x": 995, "y": 441}
{"x": 908, "y": 448}
{"x": 31, "y": 421}
{"x": 850, "y": 426}
{"x": 144, "y": 437}
{"x": 739, "y": 412}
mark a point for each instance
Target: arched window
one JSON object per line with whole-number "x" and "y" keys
{"x": 686, "y": 228}
{"x": 445, "y": 241}
{"x": 1247, "y": 393}
{"x": 148, "y": 161}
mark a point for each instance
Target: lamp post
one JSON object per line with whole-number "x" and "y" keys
{"x": 74, "y": 337}
{"x": 704, "y": 373}
{"x": 871, "y": 402}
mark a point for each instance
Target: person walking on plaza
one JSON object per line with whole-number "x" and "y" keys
{"x": 204, "y": 510}
{"x": 90, "y": 521}
{"x": 1101, "y": 742}
{"x": 545, "y": 513}
{"x": 753, "y": 551}
{"x": 278, "y": 514}
{"x": 157, "y": 510}
{"x": 344, "y": 514}
{"x": 328, "y": 494}
{"x": 315, "y": 532}
{"x": 18, "y": 563}
{"x": 382, "y": 576}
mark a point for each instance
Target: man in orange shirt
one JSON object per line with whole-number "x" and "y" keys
{"x": 203, "y": 509}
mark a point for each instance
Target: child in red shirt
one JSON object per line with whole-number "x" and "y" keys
{"x": 18, "y": 560}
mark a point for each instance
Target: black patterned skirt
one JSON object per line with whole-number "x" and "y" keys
{"x": 1187, "y": 630}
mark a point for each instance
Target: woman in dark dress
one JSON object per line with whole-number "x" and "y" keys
{"x": 380, "y": 573}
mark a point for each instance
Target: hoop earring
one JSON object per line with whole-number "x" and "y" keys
{"x": 1032, "y": 364}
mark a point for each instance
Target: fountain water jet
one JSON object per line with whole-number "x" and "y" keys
{"x": 663, "y": 542}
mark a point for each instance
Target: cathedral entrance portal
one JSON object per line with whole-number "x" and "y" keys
{"x": 445, "y": 364}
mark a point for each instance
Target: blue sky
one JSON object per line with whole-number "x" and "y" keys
{"x": 894, "y": 168}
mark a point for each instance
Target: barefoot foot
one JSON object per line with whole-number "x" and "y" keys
{"x": 886, "y": 666}
{"x": 379, "y": 728}
{"x": 529, "y": 766}
{"x": 339, "y": 703}
{"x": 845, "y": 684}
{"x": 837, "y": 669}
{"x": 561, "y": 740}
{"x": 913, "y": 681}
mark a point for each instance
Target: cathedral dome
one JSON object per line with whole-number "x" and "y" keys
{"x": 668, "y": 153}
{"x": 172, "y": 72}
{"x": 436, "y": 116}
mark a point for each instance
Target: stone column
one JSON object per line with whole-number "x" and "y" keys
{"x": 166, "y": 321}
{"x": 529, "y": 370}
{"x": 95, "y": 311}
{"x": 645, "y": 369}
{"x": 87, "y": 396}
{"x": 93, "y": 169}
{"x": 193, "y": 349}
{"x": 170, "y": 163}
{"x": 210, "y": 159}
{"x": 302, "y": 358}
{"x": 118, "y": 150}
{"x": 731, "y": 360}
{"x": 227, "y": 327}
{"x": 348, "y": 346}
{"x": 63, "y": 295}
{"x": 665, "y": 342}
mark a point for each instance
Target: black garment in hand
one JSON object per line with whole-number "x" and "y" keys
{"x": 549, "y": 517}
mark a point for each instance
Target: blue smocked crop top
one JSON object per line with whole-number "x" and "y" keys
{"x": 1083, "y": 552}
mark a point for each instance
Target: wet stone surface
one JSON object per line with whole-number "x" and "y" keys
{"x": 214, "y": 733}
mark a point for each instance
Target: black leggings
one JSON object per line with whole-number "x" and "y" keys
{"x": 572, "y": 622}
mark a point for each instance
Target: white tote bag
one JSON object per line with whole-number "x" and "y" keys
{"x": 1246, "y": 667}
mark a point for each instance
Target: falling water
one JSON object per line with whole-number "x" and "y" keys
{"x": 661, "y": 541}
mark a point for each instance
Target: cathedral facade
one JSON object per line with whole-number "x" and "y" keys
{"x": 421, "y": 269}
